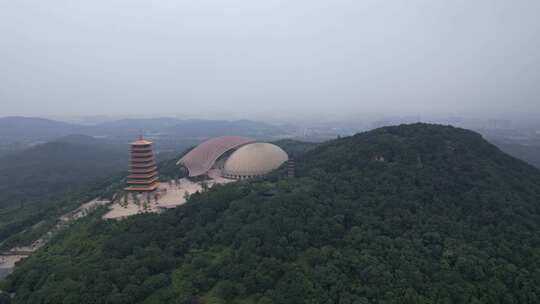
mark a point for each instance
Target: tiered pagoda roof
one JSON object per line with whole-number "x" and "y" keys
{"x": 143, "y": 175}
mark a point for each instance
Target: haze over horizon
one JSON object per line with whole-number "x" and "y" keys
{"x": 140, "y": 57}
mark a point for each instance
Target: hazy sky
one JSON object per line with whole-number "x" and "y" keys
{"x": 65, "y": 57}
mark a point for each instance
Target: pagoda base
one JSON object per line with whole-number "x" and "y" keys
{"x": 145, "y": 188}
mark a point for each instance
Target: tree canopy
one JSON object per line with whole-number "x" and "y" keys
{"x": 408, "y": 214}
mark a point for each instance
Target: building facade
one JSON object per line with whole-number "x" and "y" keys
{"x": 143, "y": 175}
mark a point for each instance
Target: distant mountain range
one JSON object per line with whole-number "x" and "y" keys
{"x": 170, "y": 134}
{"x": 22, "y": 129}
{"x": 30, "y": 129}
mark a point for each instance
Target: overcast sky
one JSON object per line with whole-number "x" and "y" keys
{"x": 67, "y": 57}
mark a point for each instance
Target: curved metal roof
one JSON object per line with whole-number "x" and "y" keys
{"x": 254, "y": 159}
{"x": 199, "y": 160}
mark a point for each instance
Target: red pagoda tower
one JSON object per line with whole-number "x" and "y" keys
{"x": 143, "y": 176}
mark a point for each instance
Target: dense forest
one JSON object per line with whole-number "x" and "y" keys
{"x": 41, "y": 183}
{"x": 407, "y": 214}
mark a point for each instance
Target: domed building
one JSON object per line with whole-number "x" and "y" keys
{"x": 233, "y": 157}
{"x": 253, "y": 160}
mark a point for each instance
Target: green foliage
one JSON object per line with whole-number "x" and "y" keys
{"x": 409, "y": 214}
{"x": 295, "y": 148}
{"x": 53, "y": 167}
{"x": 169, "y": 170}
{"x": 39, "y": 184}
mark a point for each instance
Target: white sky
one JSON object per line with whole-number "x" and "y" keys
{"x": 67, "y": 57}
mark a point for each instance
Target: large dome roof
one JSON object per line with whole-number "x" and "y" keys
{"x": 253, "y": 160}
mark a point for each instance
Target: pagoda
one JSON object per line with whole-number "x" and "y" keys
{"x": 143, "y": 176}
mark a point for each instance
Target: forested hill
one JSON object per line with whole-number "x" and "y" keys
{"x": 52, "y": 167}
{"x": 409, "y": 214}
{"x": 39, "y": 184}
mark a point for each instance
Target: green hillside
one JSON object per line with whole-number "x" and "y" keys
{"x": 408, "y": 214}
{"x": 38, "y": 184}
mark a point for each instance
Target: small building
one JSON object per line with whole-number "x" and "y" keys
{"x": 143, "y": 175}
{"x": 291, "y": 167}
